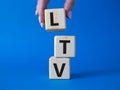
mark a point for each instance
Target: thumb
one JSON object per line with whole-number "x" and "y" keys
{"x": 68, "y": 7}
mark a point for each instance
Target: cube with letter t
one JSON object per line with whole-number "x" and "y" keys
{"x": 64, "y": 46}
{"x": 55, "y": 19}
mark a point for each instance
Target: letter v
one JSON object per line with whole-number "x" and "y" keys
{"x": 59, "y": 73}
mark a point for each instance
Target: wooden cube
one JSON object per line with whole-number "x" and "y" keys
{"x": 55, "y": 19}
{"x": 64, "y": 46}
{"x": 59, "y": 68}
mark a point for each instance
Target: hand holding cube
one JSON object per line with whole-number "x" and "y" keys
{"x": 42, "y": 5}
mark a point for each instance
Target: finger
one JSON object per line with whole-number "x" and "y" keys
{"x": 41, "y": 6}
{"x": 68, "y": 7}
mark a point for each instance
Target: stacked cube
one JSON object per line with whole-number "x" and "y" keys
{"x": 64, "y": 46}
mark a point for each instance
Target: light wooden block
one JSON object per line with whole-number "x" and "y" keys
{"x": 59, "y": 68}
{"x": 64, "y": 46}
{"x": 55, "y": 19}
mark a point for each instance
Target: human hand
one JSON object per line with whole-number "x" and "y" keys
{"x": 42, "y": 5}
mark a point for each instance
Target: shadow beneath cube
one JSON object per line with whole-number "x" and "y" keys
{"x": 94, "y": 73}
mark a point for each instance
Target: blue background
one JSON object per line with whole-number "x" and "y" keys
{"x": 25, "y": 47}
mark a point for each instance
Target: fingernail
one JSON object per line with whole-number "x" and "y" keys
{"x": 36, "y": 12}
{"x": 70, "y": 14}
{"x": 41, "y": 24}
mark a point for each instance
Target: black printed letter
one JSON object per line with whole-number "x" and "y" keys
{"x": 52, "y": 20}
{"x": 64, "y": 45}
{"x": 59, "y": 73}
